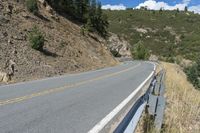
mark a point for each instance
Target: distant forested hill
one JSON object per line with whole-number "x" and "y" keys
{"x": 168, "y": 34}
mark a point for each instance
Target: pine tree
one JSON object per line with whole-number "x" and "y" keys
{"x": 91, "y": 16}
{"x": 88, "y": 12}
{"x": 85, "y": 9}
{"x": 186, "y": 8}
{"x": 198, "y": 66}
{"x": 101, "y": 21}
{"x": 177, "y": 10}
{"x": 140, "y": 52}
{"x": 79, "y": 9}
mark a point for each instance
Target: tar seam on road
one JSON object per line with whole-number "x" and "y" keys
{"x": 55, "y": 90}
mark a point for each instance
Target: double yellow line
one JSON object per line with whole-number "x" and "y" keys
{"x": 50, "y": 91}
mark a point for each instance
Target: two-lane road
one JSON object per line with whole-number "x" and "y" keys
{"x": 72, "y": 103}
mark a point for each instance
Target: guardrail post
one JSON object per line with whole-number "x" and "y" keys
{"x": 156, "y": 102}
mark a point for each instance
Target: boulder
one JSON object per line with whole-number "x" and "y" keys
{"x": 119, "y": 46}
{"x": 3, "y": 19}
{"x": 43, "y": 2}
{"x": 49, "y": 9}
{"x": 9, "y": 9}
{"x": 11, "y": 68}
{"x": 153, "y": 58}
{"x": 25, "y": 15}
{"x": 4, "y": 77}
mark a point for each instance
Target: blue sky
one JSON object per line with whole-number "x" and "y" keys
{"x": 134, "y": 3}
{"x": 193, "y": 5}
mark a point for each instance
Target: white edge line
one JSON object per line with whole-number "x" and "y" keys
{"x": 99, "y": 126}
{"x": 134, "y": 121}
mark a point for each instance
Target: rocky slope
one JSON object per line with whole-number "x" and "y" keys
{"x": 66, "y": 50}
{"x": 119, "y": 46}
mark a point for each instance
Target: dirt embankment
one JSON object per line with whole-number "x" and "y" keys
{"x": 66, "y": 50}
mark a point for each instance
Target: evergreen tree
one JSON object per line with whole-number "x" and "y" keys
{"x": 140, "y": 52}
{"x": 186, "y": 8}
{"x": 79, "y": 9}
{"x": 177, "y": 10}
{"x": 91, "y": 16}
{"x": 198, "y": 66}
{"x": 88, "y": 12}
{"x": 192, "y": 74}
{"x": 101, "y": 21}
{"x": 85, "y": 9}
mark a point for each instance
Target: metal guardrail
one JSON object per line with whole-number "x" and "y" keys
{"x": 153, "y": 100}
{"x": 158, "y": 94}
{"x": 125, "y": 110}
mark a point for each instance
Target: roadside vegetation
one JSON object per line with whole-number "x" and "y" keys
{"x": 139, "y": 52}
{"x": 36, "y": 39}
{"x": 182, "y": 112}
{"x": 193, "y": 74}
{"x": 173, "y": 36}
{"x": 183, "y": 102}
{"x": 87, "y": 12}
{"x": 167, "y": 34}
{"x": 32, "y": 6}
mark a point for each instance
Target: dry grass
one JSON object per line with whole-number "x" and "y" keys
{"x": 182, "y": 114}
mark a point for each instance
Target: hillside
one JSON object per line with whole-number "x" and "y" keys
{"x": 166, "y": 33}
{"x": 66, "y": 50}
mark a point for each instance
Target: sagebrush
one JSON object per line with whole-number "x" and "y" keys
{"x": 32, "y": 6}
{"x": 36, "y": 39}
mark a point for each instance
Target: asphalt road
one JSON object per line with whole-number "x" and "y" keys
{"x": 72, "y": 103}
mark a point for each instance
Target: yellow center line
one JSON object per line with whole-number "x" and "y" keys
{"x": 54, "y": 90}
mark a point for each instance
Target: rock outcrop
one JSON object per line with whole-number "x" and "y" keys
{"x": 4, "y": 77}
{"x": 119, "y": 47}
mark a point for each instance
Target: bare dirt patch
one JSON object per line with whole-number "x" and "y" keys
{"x": 66, "y": 50}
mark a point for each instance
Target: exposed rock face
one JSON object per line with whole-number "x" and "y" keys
{"x": 119, "y": 47}
{"x": 48, "y": 8}
{"x": 4, "y": 77}
{"x": 141, "y": 30}
{"x": 42, "y": 1}
{"x": 153, "y": 58}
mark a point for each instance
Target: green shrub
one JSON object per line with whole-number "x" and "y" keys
{"x": 83, "y": 30}
{"x": 115, "y": 53}
{"x": 171, "y": 59}
{"x": 140, "y": 52}
{"x": 192, "y": 75}
{"x": 198, "y": 66}
{"x": 32, "y": 6}
{"x": 36, "y": 39}
{"x": 163, "y": 29}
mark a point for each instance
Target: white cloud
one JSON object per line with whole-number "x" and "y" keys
{"x": 153, "y": 5}
{"x": 196, "y": 8}
{"x": 186, "y": 1}
{"x": 114, "y": 7}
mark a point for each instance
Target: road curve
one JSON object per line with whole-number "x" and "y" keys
{"x": 72, "y": 103}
